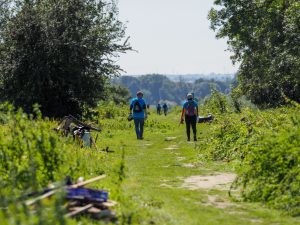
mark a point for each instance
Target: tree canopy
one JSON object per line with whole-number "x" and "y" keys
{"x": 264, "y": 37}
{"x": 59, "y": 54}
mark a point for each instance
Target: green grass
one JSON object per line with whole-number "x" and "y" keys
{"x": 148, "y": 165}
{"x": 146, "y": 178}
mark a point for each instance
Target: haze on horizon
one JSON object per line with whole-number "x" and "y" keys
{"x": 172, "y": 37}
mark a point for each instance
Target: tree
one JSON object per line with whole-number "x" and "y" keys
{"x": 4, "y": 5}
{"x": 60, "y": 54}
{"x": 118, "y": 94}
{"x": 264, "y": 37}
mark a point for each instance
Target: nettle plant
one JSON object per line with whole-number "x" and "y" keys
{"x": 270, "y": 171}
{"x": 31, "y": 155}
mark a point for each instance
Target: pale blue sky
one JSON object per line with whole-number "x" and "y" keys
{"x": 172, "y": 37}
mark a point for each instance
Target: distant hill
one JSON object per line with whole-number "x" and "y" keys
{"x": 172, "y": 88}
{"x": 194, "y": 77}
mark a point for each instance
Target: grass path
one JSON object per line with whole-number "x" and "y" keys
{"x": 153, "y": 192}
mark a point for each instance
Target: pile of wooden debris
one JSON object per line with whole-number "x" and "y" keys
{"x": 79, "y": 130}
{"x": 80, "y": 200}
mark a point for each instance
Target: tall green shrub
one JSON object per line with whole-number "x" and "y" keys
{"x": 59, "y": 54}
{"x": 31, "y": 154}
{"x": 271, "y": 170}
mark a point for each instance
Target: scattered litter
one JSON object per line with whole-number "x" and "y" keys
{"x": 81, "y": 200}
{"x": 80, "y": 131}
{"x": 218, "y": 181}
{"x": 202, "y": 119}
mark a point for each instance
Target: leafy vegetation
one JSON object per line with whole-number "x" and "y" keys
{"x": 58, "y": 54}
{"x": 32, "y": 156}
{"x": 262, "y": 147}
{"x": 264, "y": 37}
{"x": 271, "y": 167}
{"x": 266, "y": 144}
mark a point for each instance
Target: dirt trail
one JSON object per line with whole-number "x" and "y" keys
{"x": 219, "y": 181}
{"x": 169, "y": 184}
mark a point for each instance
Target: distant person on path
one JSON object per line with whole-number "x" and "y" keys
{"x": 158, "y": 108}
{"x": 165, "y": 107}
{"x": 190, "y": 115}
{"x": 138, "y": 108}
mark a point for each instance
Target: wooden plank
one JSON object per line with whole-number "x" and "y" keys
{"x": 79, "y": 210}
{"x": 94, "y": 210}
{"x": 109, "y": 204}
{"x": 46, "y": 195}
{"x": 87, "y": 181}
{"x": 84, "y": 124}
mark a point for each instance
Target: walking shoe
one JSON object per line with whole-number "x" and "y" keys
{"x": 188, "y": 139}
{"x": 195, "y": 139}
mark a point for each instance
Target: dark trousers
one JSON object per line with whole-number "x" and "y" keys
{"x": 191, "y": 121}
{"x": 139, "y": 127}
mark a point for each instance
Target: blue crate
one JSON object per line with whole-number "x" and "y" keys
{"x": 87, "y": 194}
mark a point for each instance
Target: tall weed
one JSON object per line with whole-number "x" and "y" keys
{"x": 266, "y": 143}
{"x": 270, "y": 171}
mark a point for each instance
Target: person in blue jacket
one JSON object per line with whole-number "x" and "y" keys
{"x": 139, "y": 114}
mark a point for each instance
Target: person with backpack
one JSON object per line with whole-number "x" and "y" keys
{"x": 189, "y": 115}
{"x": 165, "y": 107}
{"x": 139, "y": 113}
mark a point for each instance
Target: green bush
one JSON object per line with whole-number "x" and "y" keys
{"x": 270, "y": 171}
{"x": 230, "y": 134}
{"x": 217, "y": 102}
{"x": 266, "y": 146}
{"x": 31, "y": 153}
